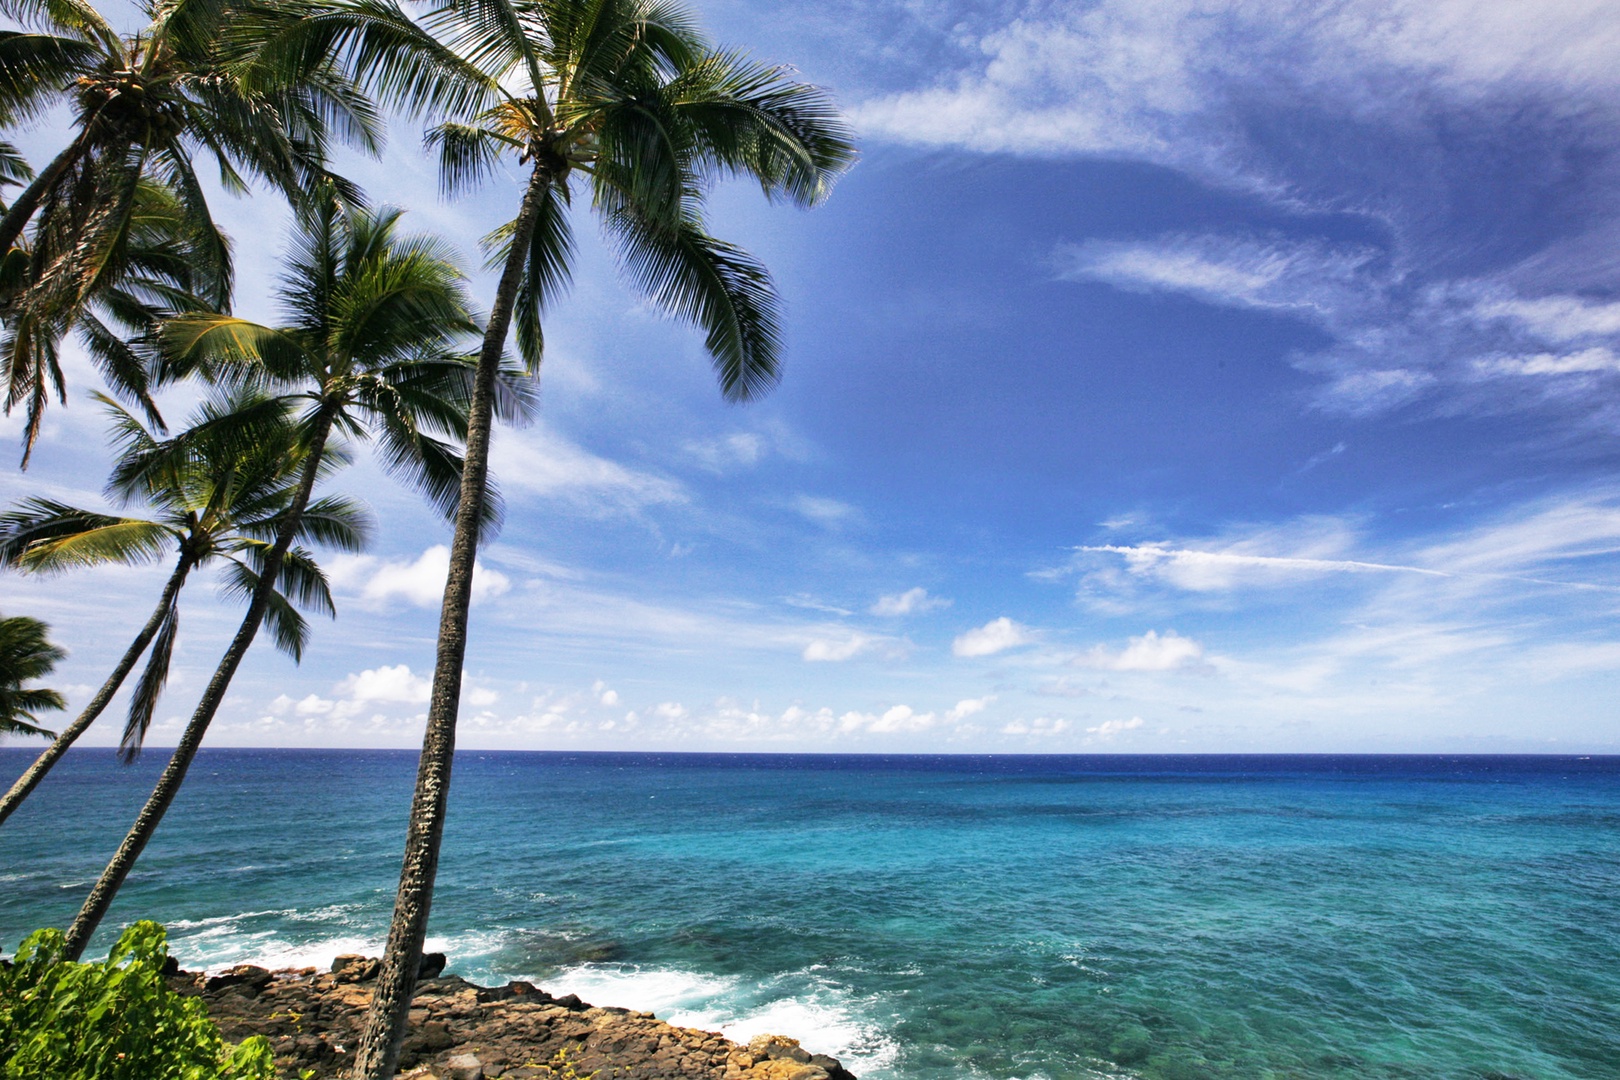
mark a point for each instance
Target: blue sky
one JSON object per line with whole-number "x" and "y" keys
{"x": 1168, "y": 377}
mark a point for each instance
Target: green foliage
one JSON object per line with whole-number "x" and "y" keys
{"x": 26, "y": 653}
{"x": 116, "y": 1020}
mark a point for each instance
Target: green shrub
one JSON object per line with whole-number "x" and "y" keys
{"x": 116, "y": 1020}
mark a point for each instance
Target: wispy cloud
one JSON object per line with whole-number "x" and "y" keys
{"x": 911, "y": 602}
{"x": 538, "y": 463}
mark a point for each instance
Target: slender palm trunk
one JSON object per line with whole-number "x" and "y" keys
{"x": 22, "y": 209}
{"x": 378, "y": 1051}
{"x": 174, "y": 774}
{"x": 36, "y": 772}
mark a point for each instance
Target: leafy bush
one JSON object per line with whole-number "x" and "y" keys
{"x": 116, "y": 1020}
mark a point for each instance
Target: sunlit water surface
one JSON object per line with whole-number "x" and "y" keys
{"x": 925, "y": 917}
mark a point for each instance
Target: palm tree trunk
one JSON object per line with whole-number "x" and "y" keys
{"x": 174, "y": 774}
{"x": 22, "y": 208}
{"x": 36, "y": 772}
{"x": 378, "y": 1051}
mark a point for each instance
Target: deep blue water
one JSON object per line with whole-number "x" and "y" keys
{"x": 927, "y": 917}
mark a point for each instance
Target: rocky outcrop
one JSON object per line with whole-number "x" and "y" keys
{"x": 460, "y": 1031}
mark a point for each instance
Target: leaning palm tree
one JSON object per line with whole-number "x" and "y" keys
{"x": 368, "y": 351}
{"x": 143, "y": 106}
{"x": 26, "y": 654}
{"x": 626, "y": 100}
{"x": 219, "y": 491}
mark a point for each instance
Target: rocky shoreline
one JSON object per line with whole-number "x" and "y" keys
{"x": 460, "y": 1031}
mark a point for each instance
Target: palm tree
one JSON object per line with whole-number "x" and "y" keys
{"x": 161, "y": 261}
{"x": 627, "y": 97}
{"x": 219, "y": 491}
{"x": 142, "y": 106}
{"x": 26, "y": 653}
{"x": 368, "y": 351}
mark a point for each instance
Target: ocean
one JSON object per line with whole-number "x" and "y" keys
{"x": 924, "y": 917}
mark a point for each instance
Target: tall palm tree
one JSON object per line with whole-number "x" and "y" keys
{"x": 26, "y": 654}
{"x": 143, "y": 105}
{"x": 219, "y": 491}
{"x": 369, "y": 351}
{"x": 626, "y": 100}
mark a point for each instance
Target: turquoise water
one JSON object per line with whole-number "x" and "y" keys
{"x": 928, "y": 917}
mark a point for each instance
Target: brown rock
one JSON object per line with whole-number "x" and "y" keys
{"x": 353, "y": 968}
{"x": 516, "y": 1032}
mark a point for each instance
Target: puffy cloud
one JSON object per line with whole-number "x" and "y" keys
{"x": 1150, "y": 652}
{"x": 604, "y": 694}
{"x": 995, "y": 636}
{"x": 1041, "y": 725}
{"x": 1109, "y": 728}
{"x": 968, "y": 707}
{"x": 418, "y": 581}
{"x": 837, "y": 649}
{"x": 895, "y": 720}
{"x": 396, "y": 683}
{"x": 911, "y": 602}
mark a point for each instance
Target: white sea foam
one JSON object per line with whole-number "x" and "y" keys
{"x": 802, "y": 1005}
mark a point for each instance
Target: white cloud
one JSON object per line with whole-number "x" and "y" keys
{"x": 837, "y": 649}
{"x": 1160, "y": 80}
{"x": 481, "y": 697}
{"x": 741, "y": 449}
{"x": 910, "y": 602}
{"x": 1150, "y": 652}
{"x": 1040, "y": 726}
{"x": 396, "y": 683}
{"x": 994, "y": 636}
{"x": 540, "y": 463}
{"x": 604, "y": 694}
{"x": 895, "y": 720}
{"x": 968, "y": 707}
{"x": 419, "y": 581}
{"x": 1306, "y": 276}
{"x": 1584, "y": 362}
{"x": 1109, "y": 728}
{"x": 1556, "y": 318}
{"x": 828, "y": 513}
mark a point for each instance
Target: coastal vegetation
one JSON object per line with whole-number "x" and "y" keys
{"x": 116, "y": 1019}
{"x": 623, "y": 101}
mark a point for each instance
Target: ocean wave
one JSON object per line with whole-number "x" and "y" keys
{"x": 804, "y": 1005}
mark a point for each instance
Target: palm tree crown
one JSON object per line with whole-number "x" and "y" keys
{"x": 26, "y": 654}
{"x": 219, "y": 492}
{"x": 143, "y": 105}
{"x": 369, "y": 347}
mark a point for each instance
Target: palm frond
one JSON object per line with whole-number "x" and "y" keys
{"x": 149, "y": 687}
{"x": 288, "y": 629}
{"x": 44, "y": 536}
{"x": 715, "y": 285}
